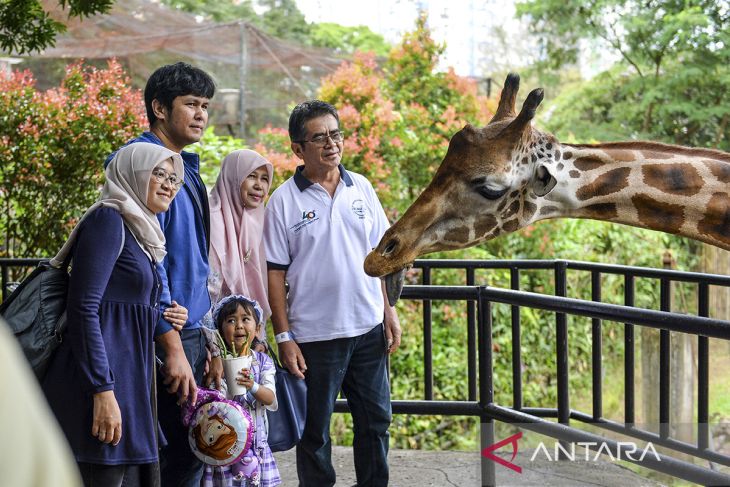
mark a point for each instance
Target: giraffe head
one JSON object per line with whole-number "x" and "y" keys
{"x": 487, "y": 185}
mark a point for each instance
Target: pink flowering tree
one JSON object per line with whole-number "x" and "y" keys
{"x": 53, "y": 148}
{"x": 433, "y": 106}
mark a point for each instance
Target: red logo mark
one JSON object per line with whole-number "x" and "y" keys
{"x": 487, "y": 452}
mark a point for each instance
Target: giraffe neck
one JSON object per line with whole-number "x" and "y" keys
{"x": 672, "y": 189}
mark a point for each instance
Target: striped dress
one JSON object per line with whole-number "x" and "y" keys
{"x": 264, "y": 374}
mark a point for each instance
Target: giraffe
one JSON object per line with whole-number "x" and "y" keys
{"x": 497, "y": 179}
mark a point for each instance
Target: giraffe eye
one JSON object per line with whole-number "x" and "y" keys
{"x": 491, "y": 194}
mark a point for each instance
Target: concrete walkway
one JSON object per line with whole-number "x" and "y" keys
{"x": 420, "y": 468}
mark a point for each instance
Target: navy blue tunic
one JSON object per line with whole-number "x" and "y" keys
{"x": 112, "y": 311}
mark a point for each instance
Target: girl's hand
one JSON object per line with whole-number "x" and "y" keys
{"x": 107, "y": 423}
{"x": 176, "y": 315}
{"x": 245, "y": 378}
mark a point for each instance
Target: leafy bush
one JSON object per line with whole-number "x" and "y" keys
{"x": 212, "y": 149}
{"x": 53, "y": 147}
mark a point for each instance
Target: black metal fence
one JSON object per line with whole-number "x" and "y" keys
{"x": 480, "y": 400}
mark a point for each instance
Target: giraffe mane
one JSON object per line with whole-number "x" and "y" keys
{"x": 658, "y": 146}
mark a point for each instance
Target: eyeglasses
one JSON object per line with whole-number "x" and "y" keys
{"x": 321, "y": 140}
{"x": 161, "y": 176}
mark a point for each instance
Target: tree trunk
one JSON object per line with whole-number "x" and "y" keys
{"x": 682, "y": 375}
{"x": 717, "y": 261}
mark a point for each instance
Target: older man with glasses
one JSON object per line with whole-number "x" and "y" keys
{"x": 336, "y": 330}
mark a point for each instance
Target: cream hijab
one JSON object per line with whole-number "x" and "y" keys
{"x": 236, "y": 233}
{"x": 125, "y": 189}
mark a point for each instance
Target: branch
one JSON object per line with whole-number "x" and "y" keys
{"x": 617, "y": 45}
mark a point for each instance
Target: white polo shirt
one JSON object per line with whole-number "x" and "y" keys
{"x": 322, "y": 242}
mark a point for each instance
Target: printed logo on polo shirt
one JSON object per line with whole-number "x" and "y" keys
{"x": 308, "y": 217}
{"x": 358, "y": 208}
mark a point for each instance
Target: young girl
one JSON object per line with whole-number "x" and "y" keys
{"x": 238, "y": 320}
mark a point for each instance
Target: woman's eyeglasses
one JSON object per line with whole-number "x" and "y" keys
{"x": 321, "y": 140}
{"x": 161, "y": 176}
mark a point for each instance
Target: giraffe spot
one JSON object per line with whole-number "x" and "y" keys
{"x": 524, "y": 160}
{"x": 681, "y": 179}
{"x": 529, "y": 210}
{"x": 549, "y": 146}
{"x": 574, "y": 174}
{"x": 513, "y": 194}
{"x": 568, "y": 155}
{"x": 546, "y": 210}
{"x": 560, "y": 166}
{"x": 650, "y": 154}
{"x": 510, "y": 226}
{"x": 534, "y": 158}
{"x": 721, "y": 170}
{"x": 557, "y": 154}
{"x": 656, "y": 215}
{"x": 458, "y": 234}
{"x": 588, "y": 163}
{"x": 602, "y": 211}
{"x": 484, "y": 225}
{"x": 717, "y": 217}
{"x": 502, "y": 204}
{"x": 605, "y": 184}
{"x": 622, "y": 155}
{"x": 511, "y": 210}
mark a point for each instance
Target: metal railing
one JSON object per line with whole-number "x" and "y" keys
{"x": 480, "y": 400}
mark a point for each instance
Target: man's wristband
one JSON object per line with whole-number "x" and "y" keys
{"x": 284, "y": 336}
{"x": 254, "y": 388}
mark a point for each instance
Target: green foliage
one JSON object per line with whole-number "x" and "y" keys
{"x": 215, "y": 10}
{"x": 212, "y": 149}
{"x": 672, "y": 82}
{"x": 279, "y": 18}
{"x": 348, "y": 40}
{"x": 25, "y": 26}
{"x": 688, "y": 106}
{"x": 643, "y": 33}
{"x": 53, "y": 147}
{"x": 284, "y": 20}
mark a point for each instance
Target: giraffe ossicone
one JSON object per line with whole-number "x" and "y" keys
{"x": 507, "y": 175}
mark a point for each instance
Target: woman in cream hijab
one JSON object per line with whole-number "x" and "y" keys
{"x": 99, "y": 382}
{"x": 237, "y": 258}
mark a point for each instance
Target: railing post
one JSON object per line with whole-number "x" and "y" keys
{"x": 561, "y": 349}
{"x": 664, "y": 361}
{"x": 486, "y": 386}
{"x": 427, "y": 341}
{"x": 597, "y": 345}
{"x": 5, "y": 280}
{"x": 629, "y": 362}
{"x": 471, "y": 340}
{"x": 703, "y": 372}
{"x": 516, "y": 344}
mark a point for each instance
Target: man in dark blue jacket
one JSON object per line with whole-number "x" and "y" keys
{"x": 176, "y": 99}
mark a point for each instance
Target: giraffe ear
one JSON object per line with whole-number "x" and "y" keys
{"x": 544, "y": 181}
{"x": 506, "y": 108}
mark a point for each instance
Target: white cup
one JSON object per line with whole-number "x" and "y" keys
{"x": 232, "y": 370}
